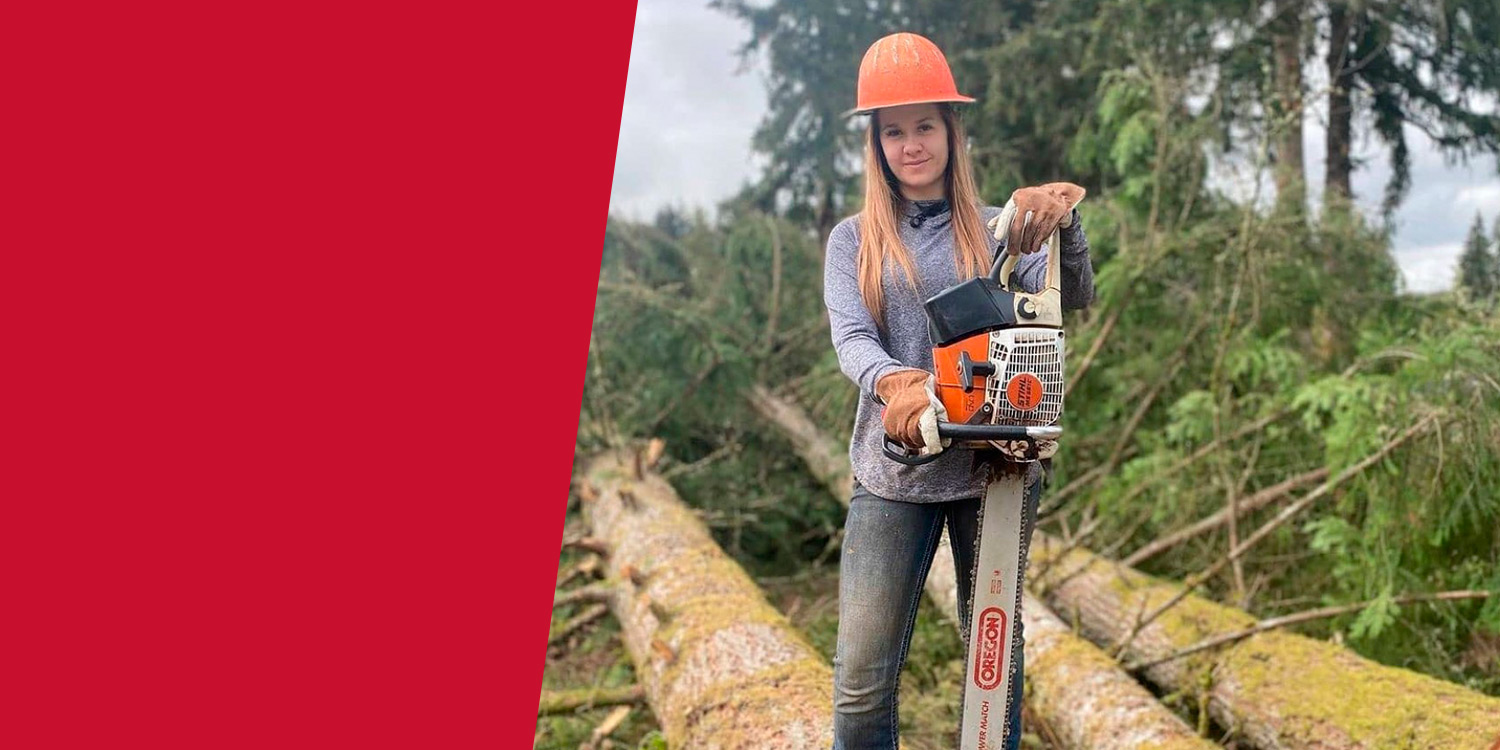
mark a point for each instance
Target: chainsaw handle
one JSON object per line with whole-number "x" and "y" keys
{"x": 901, "y": 453}
{"x": 1005, "y": 264}
{"x": 997, "y": 432}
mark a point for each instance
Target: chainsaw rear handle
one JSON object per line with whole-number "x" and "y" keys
{"x": 900, "y": 453}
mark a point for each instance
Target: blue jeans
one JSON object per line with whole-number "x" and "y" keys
{"x": 888, "y": 549}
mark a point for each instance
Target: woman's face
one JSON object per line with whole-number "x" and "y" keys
{"x": 914, "y": 139}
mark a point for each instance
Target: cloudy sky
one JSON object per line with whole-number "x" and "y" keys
{"x": 689, "y": 112}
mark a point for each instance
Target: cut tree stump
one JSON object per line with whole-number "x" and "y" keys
{"x": 1276, "y": 690}
{"x": 721, "y": 667}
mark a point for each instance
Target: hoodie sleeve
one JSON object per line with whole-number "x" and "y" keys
{"x": 856, "y": 339}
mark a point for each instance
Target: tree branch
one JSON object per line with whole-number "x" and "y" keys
{"x": 564, "y": 701}
{"x": 577, "y": 623}
{"x": 1192, "y": 582}
{"x": 1244, "y": 507}
{"x": 594, "y": 593}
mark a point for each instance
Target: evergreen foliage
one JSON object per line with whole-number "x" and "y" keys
{"x": 1479, "y": 265}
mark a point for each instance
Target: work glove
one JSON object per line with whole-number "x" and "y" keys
{"x": 912, "y": 409}
{"x": 1033, "y": 213}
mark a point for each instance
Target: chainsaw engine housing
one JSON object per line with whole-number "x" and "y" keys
{"x": 998, "y": 356}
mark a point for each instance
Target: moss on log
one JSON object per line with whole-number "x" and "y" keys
{"x": 1078, "y": 690}
{"x": 1275, "y": 690}
{"x": 720, "y": 666}
{"x": 1085, "y": 697}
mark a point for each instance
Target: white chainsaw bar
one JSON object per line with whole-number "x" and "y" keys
{"x": 994, "y": 605}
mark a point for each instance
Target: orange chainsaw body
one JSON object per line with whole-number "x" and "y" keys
{"x": 961, "y": 404}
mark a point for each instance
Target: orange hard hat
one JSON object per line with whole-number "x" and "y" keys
{"x": 904, "y": 68}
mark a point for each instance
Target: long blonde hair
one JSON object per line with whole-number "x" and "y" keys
{"x": 879, "y": 235}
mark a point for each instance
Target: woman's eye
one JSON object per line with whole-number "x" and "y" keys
{"x": 924, "y": 128}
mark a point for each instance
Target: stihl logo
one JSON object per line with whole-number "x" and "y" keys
{"x": 989, "y": 649}
{"x": 1024, "y": 391}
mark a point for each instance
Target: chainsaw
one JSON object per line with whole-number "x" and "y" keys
{"x": 998, "y": 360}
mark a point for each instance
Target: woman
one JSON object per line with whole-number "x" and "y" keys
{"x": 921, "y": 231}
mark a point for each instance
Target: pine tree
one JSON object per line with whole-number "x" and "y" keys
{"x": 1396, "y": 64}
{"x": 1495, "y": 254}
{"x": 1478, "y": 264}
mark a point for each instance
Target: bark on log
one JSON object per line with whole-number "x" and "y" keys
{"x": 1082, "y": 693}
{"x": 1276, "y": 690}
{"x": 720, "y": 666}
{"x": 1085, "y": 697}
{"x": 1075, "y": 688}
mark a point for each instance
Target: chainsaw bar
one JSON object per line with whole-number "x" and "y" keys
{"x": 995, "y": 602}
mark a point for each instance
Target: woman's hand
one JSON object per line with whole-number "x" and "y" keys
{"x": 1039, "y": 211}
{"x": 912, "y": 409}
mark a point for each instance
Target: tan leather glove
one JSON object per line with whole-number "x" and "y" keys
{"x": 912, "y": 409}
{"x": 1039, "y": 211}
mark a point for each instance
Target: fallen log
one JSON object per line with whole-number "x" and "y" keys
{"x": 720, "y": 667}
{"x": 1275, "y": 690}
{"x": 1081, "y": 693}
{"x": 1307, "y": 616}
{"x": 1075, "y": 688}
{"x": 1085, "y": 697}
{"x": 826, "y": 459}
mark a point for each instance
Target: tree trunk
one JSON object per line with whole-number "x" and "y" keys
{"x": 1286, "y": 107}
{"x": 720, "y": 666}
{"x": 1278, "y": 690}
{"x": 1079, "y": 691}
{"x": 1075, "y": 688}
{"x": 826, "y": 217}
{"x": 1337, "y": 169}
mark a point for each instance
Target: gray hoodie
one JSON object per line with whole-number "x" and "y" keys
{"x": 866, "y": 354}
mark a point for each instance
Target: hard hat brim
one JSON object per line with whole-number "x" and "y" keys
{"x": 959, "y": 99}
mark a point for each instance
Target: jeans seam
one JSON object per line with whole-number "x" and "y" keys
{"x": 911, "y": 621}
